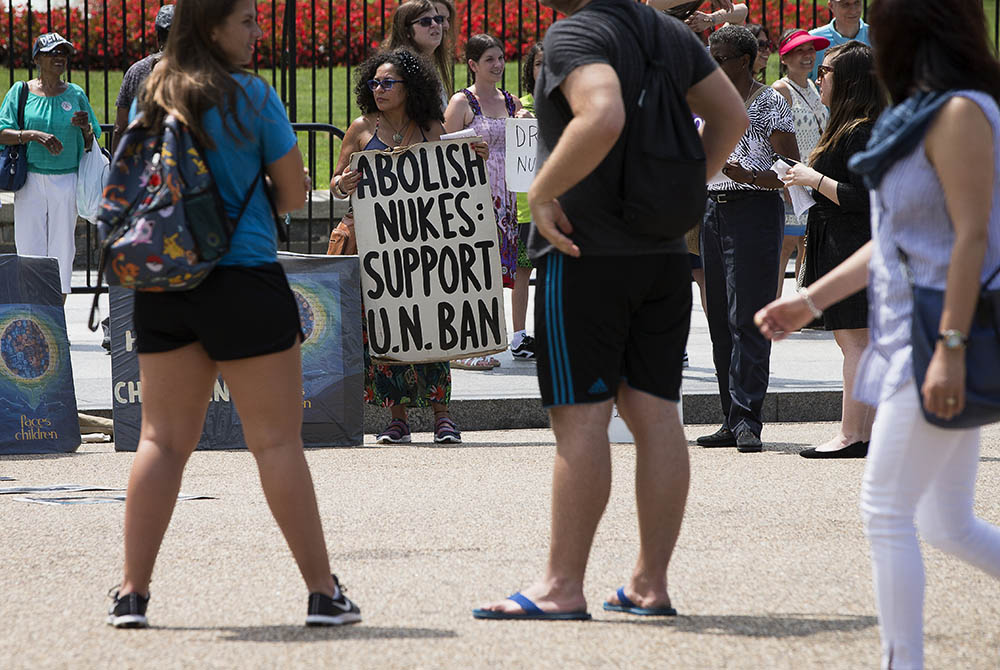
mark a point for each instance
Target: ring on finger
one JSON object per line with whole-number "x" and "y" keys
{"x": 951, "y": 402}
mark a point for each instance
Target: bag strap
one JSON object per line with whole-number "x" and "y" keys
{"x": 22, "y": 100}
{"x": 749, "y": 101}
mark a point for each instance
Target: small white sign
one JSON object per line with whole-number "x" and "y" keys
{"x": 521, "y": 165}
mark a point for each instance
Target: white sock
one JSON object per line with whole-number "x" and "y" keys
{"x": 518, "y": 336}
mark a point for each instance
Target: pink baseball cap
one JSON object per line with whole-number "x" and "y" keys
{"x": 800, "y": 37}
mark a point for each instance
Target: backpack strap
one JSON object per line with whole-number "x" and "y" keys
{"x": 22, "y": 100}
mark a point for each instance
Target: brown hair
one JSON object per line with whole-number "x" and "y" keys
{"x": 194, "y": 74}
{"x": 401, "y": 37}
{"x": 933, "y": 45}
{"x": 858, "y": 96}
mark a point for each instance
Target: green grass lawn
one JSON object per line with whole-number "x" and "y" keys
{"x": 323, "y": 99}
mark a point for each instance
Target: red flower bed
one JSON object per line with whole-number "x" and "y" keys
{"x": 328, "y": 32}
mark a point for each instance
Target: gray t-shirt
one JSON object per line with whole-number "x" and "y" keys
{"x": 594, "y": 205}
{"x": 133, "y": 79}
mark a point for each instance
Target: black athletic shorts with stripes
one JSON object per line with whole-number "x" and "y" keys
{"x": 604, "y": 320}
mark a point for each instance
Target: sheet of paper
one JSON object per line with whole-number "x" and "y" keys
{"x": 802, "y": 199}
{"x": 467, "y": 132}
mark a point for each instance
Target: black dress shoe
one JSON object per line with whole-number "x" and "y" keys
{"x": 720, "y": 438}
{"x": 747, "y": 442}
{"x": 854, "y": 450}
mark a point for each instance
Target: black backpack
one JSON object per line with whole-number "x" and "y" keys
{"x": 663, "y": 179}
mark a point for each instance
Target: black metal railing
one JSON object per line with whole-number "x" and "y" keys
{"x": 304, "y": 236}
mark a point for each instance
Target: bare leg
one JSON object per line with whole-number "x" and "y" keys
{"x": 176, "y": 387}
{"x": 398, "y": 412}
{"x": 581, "y": 483}
{"x": 856, "y": 417}
{"x": 519, "y": 298}
{"x": 788, "y": 245}
{"x": 272, "y": 424}
{"x": 800, "y": 254}
{"x": 662, "y": 475}
{"x": 698, "y": 275}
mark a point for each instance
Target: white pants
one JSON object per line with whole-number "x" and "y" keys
{"x": 45, "y": 220}
{"x": 916, "y": 470}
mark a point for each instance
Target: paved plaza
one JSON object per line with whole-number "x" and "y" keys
{"x": 771, "y": 570}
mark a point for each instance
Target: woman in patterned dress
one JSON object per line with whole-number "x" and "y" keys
{"x": 485, "y": 108}
{"x": 797, "y": 49}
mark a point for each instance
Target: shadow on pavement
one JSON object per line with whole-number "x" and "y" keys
{"x": 774, "y": 626}
{"x": 303, "y": 634}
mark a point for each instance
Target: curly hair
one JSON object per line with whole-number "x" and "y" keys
{"x": 528, "y": 67}
{"x": 423, "y": 88}
{"x": 738, "y": 37}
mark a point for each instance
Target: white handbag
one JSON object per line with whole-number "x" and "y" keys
{"x": 90, "y": 179}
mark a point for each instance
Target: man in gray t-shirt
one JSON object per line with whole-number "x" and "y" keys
{"x": 137, "y": 73}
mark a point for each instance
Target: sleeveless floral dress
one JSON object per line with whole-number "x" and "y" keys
{"x": 494, "y": 132}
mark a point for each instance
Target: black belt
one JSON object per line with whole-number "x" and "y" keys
{"x": 732, "y": 196}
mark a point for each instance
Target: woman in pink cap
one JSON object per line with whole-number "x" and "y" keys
{"x": 797, "y": 50}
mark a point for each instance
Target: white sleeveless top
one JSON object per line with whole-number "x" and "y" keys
{"x": 810, "y": 117}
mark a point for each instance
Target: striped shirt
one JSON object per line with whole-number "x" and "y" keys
{"x": 768, "y": 113}
{"x": 908, "y": 212}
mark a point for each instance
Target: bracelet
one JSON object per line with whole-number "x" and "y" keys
{"x": 337, "y": 191}
{"x": 20, "y": 137}
{"x": 818, "y": 186}
{"x": 804, "y": 294}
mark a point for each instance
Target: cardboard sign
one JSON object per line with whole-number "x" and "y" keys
{"x": 327, "y": 292}
{"x": 37, "y": 398}
{"x": 429, "y": 250}
{"x": 522, "y": 140}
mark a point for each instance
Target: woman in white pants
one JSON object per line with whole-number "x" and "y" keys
{"x": 933, "y": 165}
{"x": 59, "y": 126}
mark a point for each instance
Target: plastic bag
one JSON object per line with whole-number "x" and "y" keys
{"x": 90, "y": 180}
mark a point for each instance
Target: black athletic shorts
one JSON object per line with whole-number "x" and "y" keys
{"x": 236, "y": 312}
{"x": 601, "y": 320}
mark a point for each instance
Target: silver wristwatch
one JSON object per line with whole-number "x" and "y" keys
{"x": 953, "y": 339}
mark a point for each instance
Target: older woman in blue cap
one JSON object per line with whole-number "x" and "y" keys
{"x": 59, "y": 126}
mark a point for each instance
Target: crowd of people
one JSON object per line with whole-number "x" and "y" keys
{"x": 901, "y": 193}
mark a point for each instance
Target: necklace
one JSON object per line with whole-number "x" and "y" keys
{"x": 397, "y": 135}
{"x": 753, "y": 88}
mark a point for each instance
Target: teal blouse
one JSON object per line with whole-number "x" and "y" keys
{"x": 51, "y": 115}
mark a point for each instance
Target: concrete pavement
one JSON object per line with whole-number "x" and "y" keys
{"x": 771, "y": 570}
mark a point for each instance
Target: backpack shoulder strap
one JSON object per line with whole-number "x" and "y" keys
{"x": 22, "y": 100}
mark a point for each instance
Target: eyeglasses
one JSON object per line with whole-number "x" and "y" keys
{"x": 426, "y": 21}
{"x": 765, "y": 45}
{"x": 386, "y": 84}
{"x": 722, "y": 59}
{"x": 822, "y": 71}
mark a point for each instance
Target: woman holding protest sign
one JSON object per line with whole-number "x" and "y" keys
{"x": 398, "y": 96}
{"x": 418, "y": 25}
{"x": 186, "y": 339}
{"x": 486, "y": 108}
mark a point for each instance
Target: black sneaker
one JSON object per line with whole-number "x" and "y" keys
{"x": 327, "y": 611}
{"x": 525, "y": 349}
{"x": 720, "y": 438}
{"x": 747, "y": 442}
{"x": 128, "y": 611}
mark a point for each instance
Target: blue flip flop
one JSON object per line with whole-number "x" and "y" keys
{"x": 530, "y": 611}
{"x": 628, "y": 607}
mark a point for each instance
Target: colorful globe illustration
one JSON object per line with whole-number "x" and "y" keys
{"x": 25, "y": 349}
{"x": 306, "y": 314}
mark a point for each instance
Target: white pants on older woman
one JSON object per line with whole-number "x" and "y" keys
{"x": 917, "y": 471}
{"x": 45, "y": 220}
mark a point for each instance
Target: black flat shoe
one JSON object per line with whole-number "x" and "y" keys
{"x": 855, "y": 450}
{"x": 720, "y": 438}
{"x": 747, "y": 442}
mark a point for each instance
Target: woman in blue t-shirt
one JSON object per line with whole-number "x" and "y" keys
{"x": 59, "y": 126}
{"x": 241, "y": 321}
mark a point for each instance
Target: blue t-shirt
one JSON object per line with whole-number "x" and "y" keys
{"x": 235, "y": 162}
{"x": 829, "y": 32}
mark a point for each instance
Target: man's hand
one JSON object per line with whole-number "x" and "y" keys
{"x": 554, "y": 226}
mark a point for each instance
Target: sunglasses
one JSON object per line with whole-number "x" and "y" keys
{"x": 822, "y": 71}
{"x": 427, "y": 21}
{"x": 764, "y": 45}
{"x": 723, "y": 59}
{"x": 386, "y": 84}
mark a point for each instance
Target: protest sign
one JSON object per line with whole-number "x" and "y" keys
{"x": 37, "y": 398}
{"x": 326, "y": 289}
{"x": 429, "y": 250}
{"x": 522, "y": 140}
